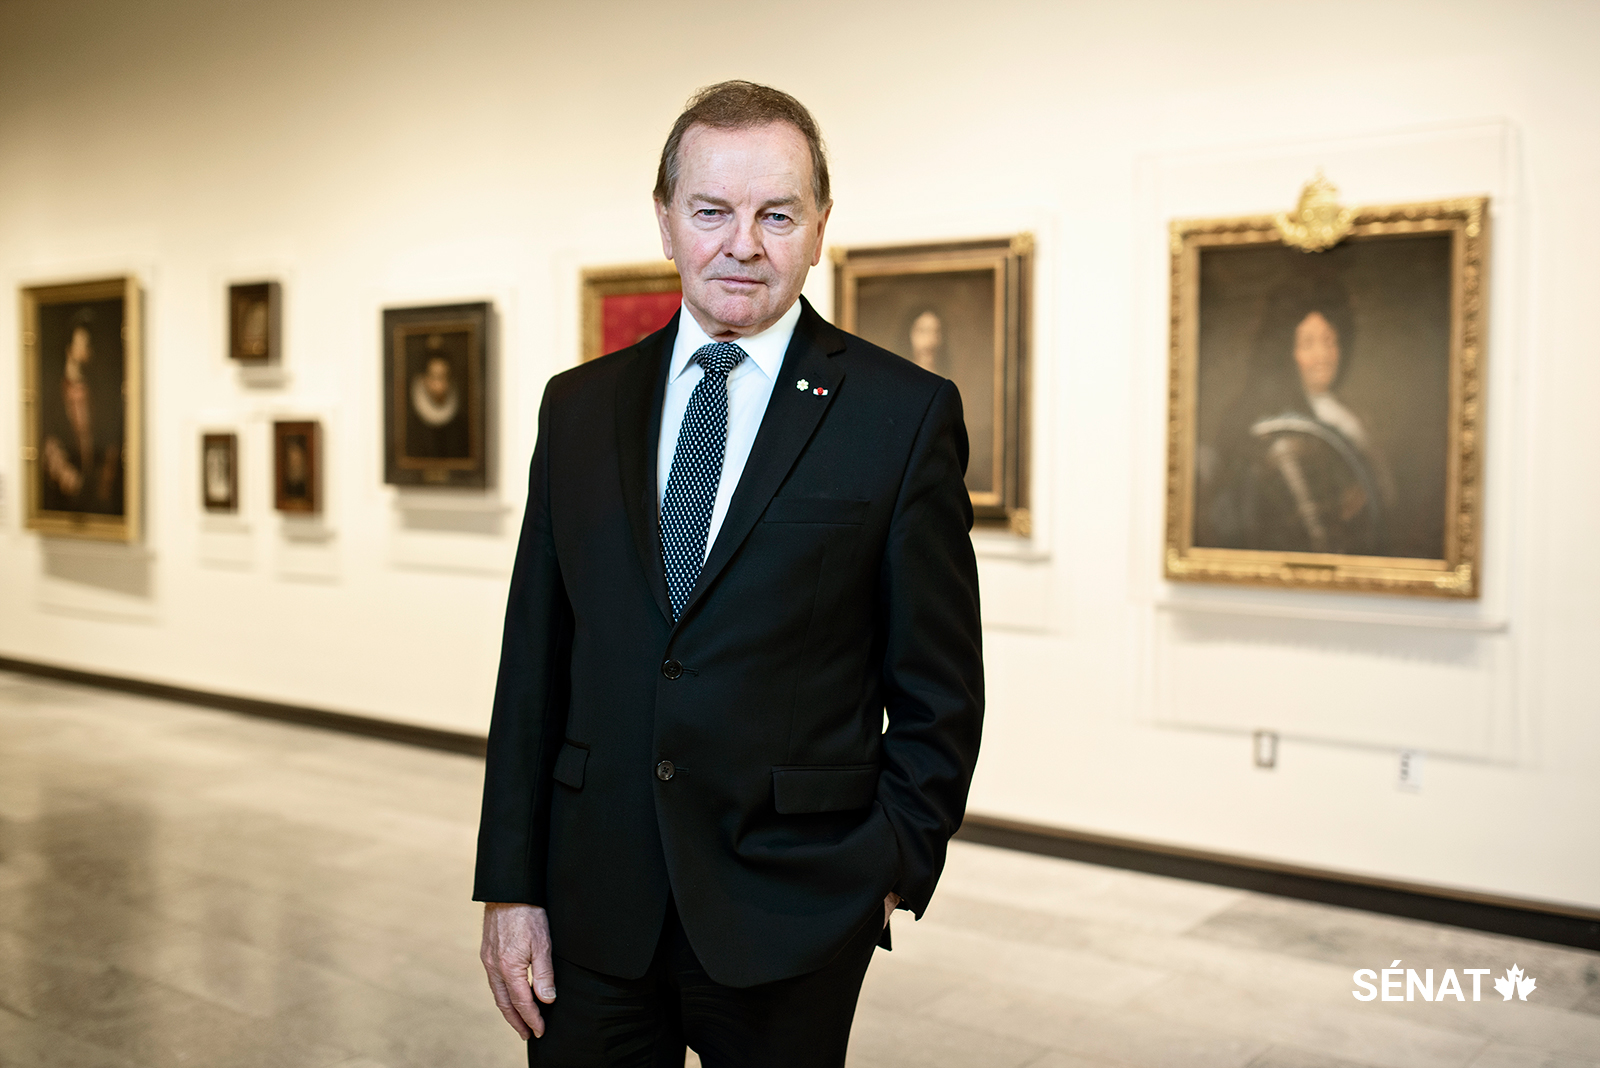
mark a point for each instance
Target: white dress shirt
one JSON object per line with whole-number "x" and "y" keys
{"x": 749, "y": 389}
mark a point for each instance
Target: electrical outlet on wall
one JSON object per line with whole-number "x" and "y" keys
{"x": 1410, "y": 770}
{"x": 1264, "y": 745}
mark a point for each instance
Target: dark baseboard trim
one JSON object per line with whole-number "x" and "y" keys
{"x": 348, "y": 723}
{"x": 1520, "y": 918}
{"x": 1481, "y": 912}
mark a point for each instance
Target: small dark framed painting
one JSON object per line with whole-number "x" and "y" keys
{"x": 83, "y": 409}
{"x": 623, "y": 305}
{"x": 436, "y": 395}
{"x": 297, "y": 467}
{"x": 253, "y": 322}
{"x": 219, "y": 472}
{"x": 960, "y": 309}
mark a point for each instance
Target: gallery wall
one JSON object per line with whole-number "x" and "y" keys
{"x": 370, "y": 155}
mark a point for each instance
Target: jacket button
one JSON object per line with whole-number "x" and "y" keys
{"x": 665, "y": 770}
{"x": 672, "y": 669}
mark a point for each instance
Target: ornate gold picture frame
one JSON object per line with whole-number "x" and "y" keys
{"x": 621, "y": 305}
{"x": 83, "y": 409}
{"x": 960, "y": 309}
{"x": 1325, "y": 407}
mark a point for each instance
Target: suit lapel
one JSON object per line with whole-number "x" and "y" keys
{"x": 641, "y": 387}
{"x": 792, "y": 416}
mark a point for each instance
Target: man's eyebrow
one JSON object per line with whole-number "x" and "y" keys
{"x": 791, "y": 200}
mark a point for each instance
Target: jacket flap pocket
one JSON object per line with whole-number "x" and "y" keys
{"x": 815, "y": 510}
{"x": 825, "y": 788}
{"x": 569, "y": 766}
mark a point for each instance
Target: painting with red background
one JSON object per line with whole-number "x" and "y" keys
{"x": 627, "y": 317}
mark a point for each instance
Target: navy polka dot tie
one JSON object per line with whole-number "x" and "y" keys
{"x": 696, "y": 471}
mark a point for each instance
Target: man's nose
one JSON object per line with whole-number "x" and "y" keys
{"x": 744, "y": 244}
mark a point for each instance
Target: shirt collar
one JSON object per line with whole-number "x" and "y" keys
{"x": 766, "y": 349}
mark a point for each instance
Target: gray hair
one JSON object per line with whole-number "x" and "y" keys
{"x": 741, "y": 105}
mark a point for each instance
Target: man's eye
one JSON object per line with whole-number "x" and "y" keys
{"x": 708, "y": 213}
{"x": 779, "y": 217}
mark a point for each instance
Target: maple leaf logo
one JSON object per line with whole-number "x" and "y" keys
{"x": 1515, "y": 981}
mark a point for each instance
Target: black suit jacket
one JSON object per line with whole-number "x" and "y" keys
{"x": 841, "y": 585}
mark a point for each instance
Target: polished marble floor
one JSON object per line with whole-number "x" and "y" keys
{"x": 186, "y": 887}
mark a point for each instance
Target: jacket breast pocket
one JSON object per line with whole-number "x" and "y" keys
{"x": 824, "y": 787}
{"x": 569, "y": 766}
{"x": 838, "y": 510}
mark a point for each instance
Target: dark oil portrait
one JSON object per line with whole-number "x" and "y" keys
{"x": 1326, "y": 397}
{"x": 219, "y": 472}
{"x": 1323, "y": 398}
{"x": 436, "y": 410}
{"x": 253, "y": 322}
{"x": 945, "y": 323}
{"x": 959, "y": 309}
{"x": 82, "y": 414}
{"x": 297, "y": 467}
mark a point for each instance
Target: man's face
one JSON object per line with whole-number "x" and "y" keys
{"x": 742, "y": 226}
{"x": 1316, "y": 351}
{"x": 436, "y": 379}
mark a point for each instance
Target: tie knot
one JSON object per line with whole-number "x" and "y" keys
{"x": 719, "y": 358}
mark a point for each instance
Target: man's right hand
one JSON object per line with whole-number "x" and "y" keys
{"x": 516, "y": 938}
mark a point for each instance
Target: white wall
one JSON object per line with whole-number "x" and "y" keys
{"x": 373, "y": 153}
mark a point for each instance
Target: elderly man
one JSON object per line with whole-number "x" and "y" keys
{"x": 741, "y": 683}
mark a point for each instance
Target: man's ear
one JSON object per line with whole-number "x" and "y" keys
{"x": 822, "y": 226}
{"x": 666, "y": 230}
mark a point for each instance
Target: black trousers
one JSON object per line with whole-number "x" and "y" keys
{"x": 600, "y": 1021}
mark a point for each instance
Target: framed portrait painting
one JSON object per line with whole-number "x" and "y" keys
{"x": 254, "y": 322}
{"x": 83, "y": 389}
{"x": 1325, "y": 397}
{"x": 622, "y": 305}
{"x": 436, "y": 395}
{"x": 219, "y": 472}
{"x": 960, "y": 309}
{"x": 297, "y": 467}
